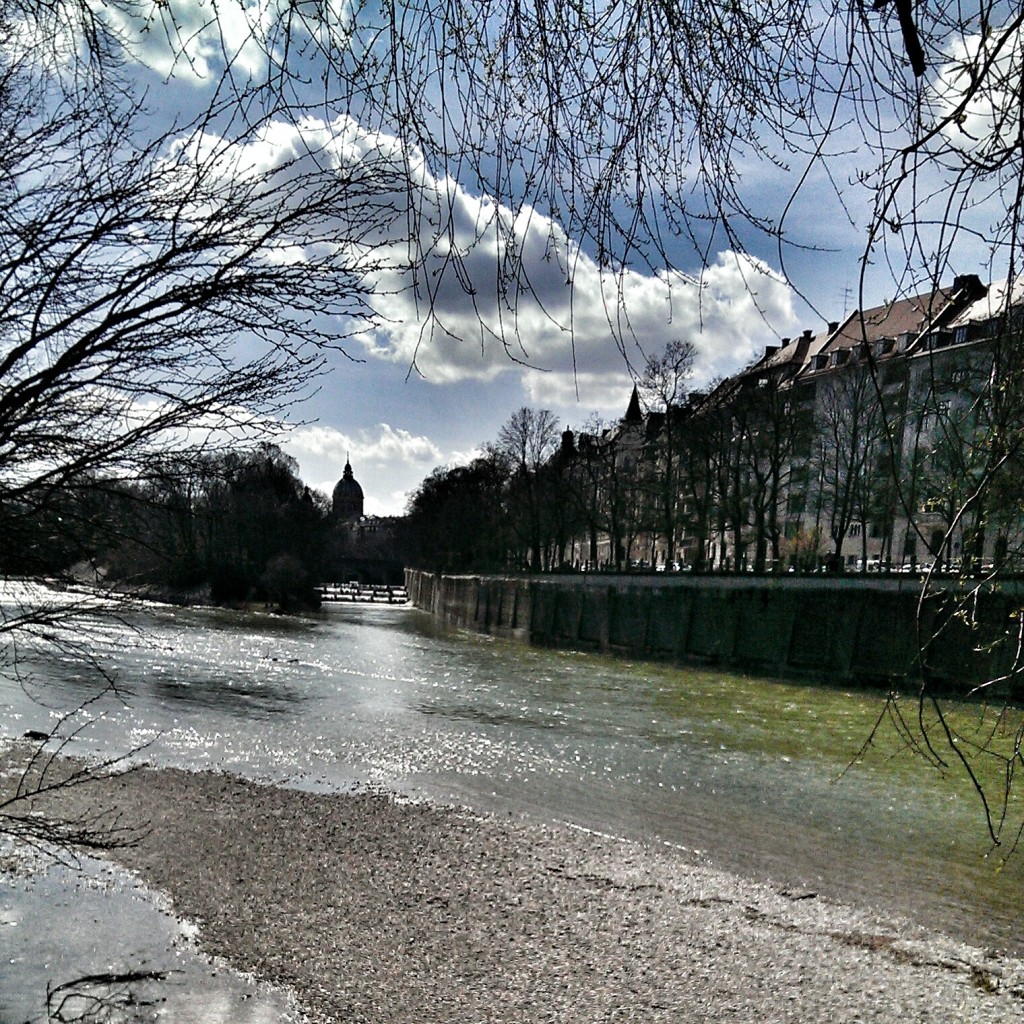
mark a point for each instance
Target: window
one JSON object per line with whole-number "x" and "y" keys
{"x": 892, "y": 375}
{"x": 855, "y": 530}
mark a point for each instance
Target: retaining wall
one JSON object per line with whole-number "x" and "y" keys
{"x": 843, "y": 630}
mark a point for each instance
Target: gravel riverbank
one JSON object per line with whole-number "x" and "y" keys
{"x": 377, "y": 911}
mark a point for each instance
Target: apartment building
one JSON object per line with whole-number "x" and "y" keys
{"x": 887, "y": 440}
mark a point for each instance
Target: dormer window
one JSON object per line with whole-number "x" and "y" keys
{"x": 820, "y": 361}
{"x": 840, "y": 356}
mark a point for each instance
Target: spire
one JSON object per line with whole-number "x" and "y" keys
{"x": 633, "y": 414}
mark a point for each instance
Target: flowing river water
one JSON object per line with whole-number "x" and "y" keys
{"x": 747, "y": 771}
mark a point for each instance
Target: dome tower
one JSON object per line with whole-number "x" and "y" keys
{"x": 347, "y": 499}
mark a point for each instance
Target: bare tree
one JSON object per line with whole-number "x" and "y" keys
{"x": 587, "y": 484}
{"x": 664, "y": 383}
{"x": 630, "y": 125}
{"x": 526, "y": 443}
{"x": 850, "y": 426}
{"x": 159, "y": 291}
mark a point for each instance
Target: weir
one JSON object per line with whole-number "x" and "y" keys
{"x": 864, "y": 632}
{"x": 366, "y": 593}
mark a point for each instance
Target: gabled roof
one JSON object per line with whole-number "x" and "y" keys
{"x": 890, "y": 320}
{"x": 781, "y": 361}
{"x": 910, "y": 317}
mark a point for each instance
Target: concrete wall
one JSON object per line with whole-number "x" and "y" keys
{"x": 843, "y": 630}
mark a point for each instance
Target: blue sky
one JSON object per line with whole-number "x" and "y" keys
{"x": 408, "y": 399}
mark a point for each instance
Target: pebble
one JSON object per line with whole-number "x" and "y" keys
{"x": 373, "y": 910}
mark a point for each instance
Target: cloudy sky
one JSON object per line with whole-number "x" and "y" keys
{"x": 419, "y": 392}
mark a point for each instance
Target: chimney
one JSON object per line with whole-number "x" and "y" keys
{"x": 803, "y": 343}
{"x": 833, "y": 326}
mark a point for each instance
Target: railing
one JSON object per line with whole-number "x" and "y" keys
{"x": 366, "y": 593}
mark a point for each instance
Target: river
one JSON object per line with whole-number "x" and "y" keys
{"x": 747, "y": 771}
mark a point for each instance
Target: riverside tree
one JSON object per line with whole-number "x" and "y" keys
{"x": 664, "y": 383}
{"x": 526, "y": 444}
{"x": 163, "y": 291}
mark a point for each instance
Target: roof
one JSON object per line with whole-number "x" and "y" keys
{"x": 999, "y": 298}
{"x": 633, "y": 413}
{"x": 784, "y": 360}
{"x": 911, "y": 316}
{"x": 889, "y": 320}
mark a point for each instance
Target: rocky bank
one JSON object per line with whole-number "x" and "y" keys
{"x": 373, "y": 910}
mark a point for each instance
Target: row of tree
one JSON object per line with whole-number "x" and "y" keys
{"x": 233, "y": 526}
{"x": 541, "y": 499}
{"x": 907, "y": 462}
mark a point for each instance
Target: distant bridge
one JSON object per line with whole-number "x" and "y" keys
{"x": 366, "y": 593}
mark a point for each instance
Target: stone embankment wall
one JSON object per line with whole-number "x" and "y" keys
{"x": 845, "y": 630}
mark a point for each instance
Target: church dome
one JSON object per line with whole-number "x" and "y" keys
{"x": 347, "y": 499}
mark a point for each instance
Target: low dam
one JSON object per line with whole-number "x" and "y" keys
{"x": 862, "y": 631}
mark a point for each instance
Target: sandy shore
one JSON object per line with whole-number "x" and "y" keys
{"x": 374, "y": 911}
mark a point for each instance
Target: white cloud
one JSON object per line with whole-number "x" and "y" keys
{"x": 562, "y": 323}
{"x": 990, "y": 66}
{"x": 468, "y": 290}
{"x": 194, "y": 41}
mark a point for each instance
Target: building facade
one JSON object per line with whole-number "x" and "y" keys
{"x": 889, "y": 440}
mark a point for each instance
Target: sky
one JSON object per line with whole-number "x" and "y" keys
{"x": 409, "y": 396}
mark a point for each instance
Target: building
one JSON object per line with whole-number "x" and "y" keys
{"x": 347, "y": 499}
{"x": 891, "y": 439}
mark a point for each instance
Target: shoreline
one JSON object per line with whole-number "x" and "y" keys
{"x": 370, "y": 909}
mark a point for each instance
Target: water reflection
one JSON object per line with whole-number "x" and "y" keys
{"x": 110, "y": 928}
{"x": 747, "y": 770}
